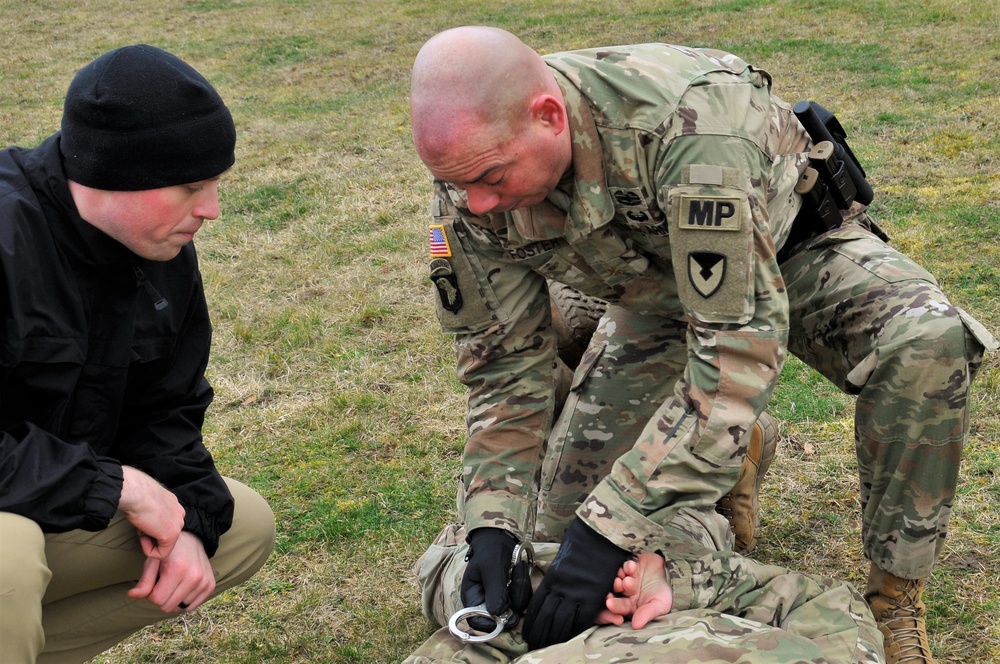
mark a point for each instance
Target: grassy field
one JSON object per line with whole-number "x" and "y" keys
{"x": 336, "y": 395}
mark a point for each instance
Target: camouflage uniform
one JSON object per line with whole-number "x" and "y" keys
{"x": 681, "y": 194}
{"x": 727, "y": 608}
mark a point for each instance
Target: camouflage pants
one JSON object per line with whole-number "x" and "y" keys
{"x": 878, "y": 326}
{"x": 726, "y": 609}
{"x": 866, "y": 317}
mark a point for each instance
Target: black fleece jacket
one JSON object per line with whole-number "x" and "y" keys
{"x": 95, "y": 372}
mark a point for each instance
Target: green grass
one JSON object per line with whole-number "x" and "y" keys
{"x": 336, "y": 395}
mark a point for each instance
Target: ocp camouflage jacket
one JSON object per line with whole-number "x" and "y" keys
{"x": 684, "y": 166}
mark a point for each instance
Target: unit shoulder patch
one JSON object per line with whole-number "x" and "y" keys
{"x": 712, "y": 249}
{"x": 444, "y": 279}
{"x": 706, "y": 271}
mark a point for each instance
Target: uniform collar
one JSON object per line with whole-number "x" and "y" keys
{"x": 590, "y": 206}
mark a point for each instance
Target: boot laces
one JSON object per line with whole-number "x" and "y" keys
{"x": 725, "y": 507}
{"x": 909, "y": 633}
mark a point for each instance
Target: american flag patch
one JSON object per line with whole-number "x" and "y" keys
{"x": 439, "y": 242}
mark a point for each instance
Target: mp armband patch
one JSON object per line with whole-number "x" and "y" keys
{"x": 711, "y": 213}
{"x": 712, "y": 245}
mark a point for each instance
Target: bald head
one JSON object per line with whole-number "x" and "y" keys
{"x": 473, "y": 76}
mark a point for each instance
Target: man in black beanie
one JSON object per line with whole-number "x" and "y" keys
{"x": 112, "y": 511}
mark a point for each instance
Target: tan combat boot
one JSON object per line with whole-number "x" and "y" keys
{"x": 739, "y": 506}
{"x": 900, "y": 612}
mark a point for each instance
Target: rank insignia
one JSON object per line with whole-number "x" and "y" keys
{"x": 439, "y": 242}
{"x": 706, "y": 271}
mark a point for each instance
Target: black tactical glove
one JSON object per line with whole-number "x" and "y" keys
{"x": 489, "y": 578}
{"x": 575, "y": 587}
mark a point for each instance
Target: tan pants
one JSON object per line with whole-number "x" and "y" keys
{"x": 63, "y": 597}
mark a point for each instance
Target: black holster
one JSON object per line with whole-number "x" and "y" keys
{"x": 831, "y": 183}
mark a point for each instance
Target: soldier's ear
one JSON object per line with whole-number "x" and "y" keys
{"x": 550, "y": 111}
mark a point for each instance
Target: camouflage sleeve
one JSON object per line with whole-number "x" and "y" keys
{"x": 506, "y": 352}
{"x": 713, "y": 188}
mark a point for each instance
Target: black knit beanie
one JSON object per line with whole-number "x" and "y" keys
{"x": 140, "y": 118}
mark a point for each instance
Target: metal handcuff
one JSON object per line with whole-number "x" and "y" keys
{"x": 521, "y": 549}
